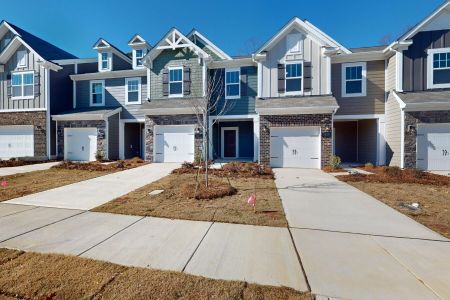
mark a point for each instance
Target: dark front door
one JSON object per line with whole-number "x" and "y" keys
{"x": 229, "y": 143}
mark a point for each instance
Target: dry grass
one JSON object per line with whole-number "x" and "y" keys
{"x": 174, "y": 203}
{"x": 434, "y": 201}
{"x": 50, "y": 276}
{"x": 23, "y": 184}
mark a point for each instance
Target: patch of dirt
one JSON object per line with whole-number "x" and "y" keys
{"x": 19, "y": 163}
{"x": 101, "y": 167}
{"x": 434, "y": 201}
{"x": 329, "y": 169}
{"x": 51, "y": 276}
{"x": 232, "y": 169}
{"x": 397, "y": 175}
{"x": 215, "y": 189}
{"x": 176, "y": 203}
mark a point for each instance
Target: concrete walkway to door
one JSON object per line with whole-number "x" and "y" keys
{"x": 354, "y": 247}
{"x": 91, "y": 193}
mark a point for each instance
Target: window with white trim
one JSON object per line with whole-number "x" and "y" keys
{"x": 176, "y": 82}
{"x": 133, "y": 90}
{"x": 354, "y": 80}
{"x": 439, "y": 68}
{"x": 294, "y": 78}
{"x": 97, "y": 92}
{"x": 138, "y": 56}
{"x": 232, "y": 83}
{"x": 22, "y": 85}
{"x": 105, "y": 60}
{"x": 22, "y": 58}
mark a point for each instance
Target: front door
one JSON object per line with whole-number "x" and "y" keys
{"x": 229, "y": 143}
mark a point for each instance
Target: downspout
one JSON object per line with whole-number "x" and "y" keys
{"x": 47, "y": 106}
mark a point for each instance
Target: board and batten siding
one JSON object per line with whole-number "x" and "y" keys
{"x": 175, "y": 58}
{"x": 393, "y": 132}
{"x": 312, "y": 52}
{"x": 415, "y": 58}
{"x": 119, "y": 63}
{"x": 38, "y": 102}
{"x": 373, "y": 102}
{"x": 114, "y": 97}
{"x": 113, "y": 137}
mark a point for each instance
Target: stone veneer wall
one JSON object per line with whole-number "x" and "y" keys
{"x": 151, "y": 121}
{"x": 322, "y": 120}
{"x": 414, "y": 118}
{"x": 101, "y": 134}
{"x": 38, "y": 120}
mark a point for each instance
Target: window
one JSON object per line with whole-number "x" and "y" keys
{"x": 138, "y": 56}
{"x": 439, "y": 68}
{"x": 176, "y": 82}
{"x": 104, "y": 61}
{"x": 294, "y": 77}
{"x": 22, "y": 58}
{"x": 232, "y": 83}
{"x": 4, "y": 43}
{"x": 294, "y": 42}
{"x": 97, "y": 92}
{"x": 354, "y": 80}
{"x": 133, "y": 90}
{"x": 22, "y": 85}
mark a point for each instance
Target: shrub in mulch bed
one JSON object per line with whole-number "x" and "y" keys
{"x": 215, "y": 189}
{"x": 232, "y": 169}
{"x": 397, "y": 175}
{"x": 100, "y": 167}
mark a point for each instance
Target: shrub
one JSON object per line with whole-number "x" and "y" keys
{"x": 187, "y": 165}
{"x": 99, "y": 156}
{"x": 392, "y": 171}
{"x": 369, "y": 165}
{"x": 335, "y": 162}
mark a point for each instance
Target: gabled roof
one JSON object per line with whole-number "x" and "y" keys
{"x": 304, "y": 27}
{"x": 219, "y": 52}
{"x": 103, "y": 44}
{"x": 172, "y": 40}
{"x": 42, "y": 48}
{"x": 137, "y": 40}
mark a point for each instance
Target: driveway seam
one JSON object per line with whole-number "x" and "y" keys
{"x": 198, "y": 246}
{"x": 18, "y": 212}
{"x": 299, "y": 260}
{"x": 407, "y": 269}
{"x": 114, "y": 234}
{"x": 37, "y": 228}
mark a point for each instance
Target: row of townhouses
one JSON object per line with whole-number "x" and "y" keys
{"x": 299, "y": 99}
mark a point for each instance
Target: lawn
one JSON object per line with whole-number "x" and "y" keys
{"x": 398, "y": 188}
{"x": 23, "y": 184}
{"x": 50, "y": 276}
{"x": 178, "y": 202}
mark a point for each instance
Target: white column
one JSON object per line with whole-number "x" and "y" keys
{"x": 121, "y": 139}
{"x": 47, "y": 107}
{"x": 399, "y": 71}
{"x": 148, "y": 83}
{"x": 381, "y": 141}
{"x": 260, "y": 79}
{"x": 256, "y": 127}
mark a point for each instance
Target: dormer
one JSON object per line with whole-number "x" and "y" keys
{"x": 110, "y": 58}
{"x": 140, "y": 48}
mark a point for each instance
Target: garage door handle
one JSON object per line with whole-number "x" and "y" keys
{"x": 158, "y": 153}
{"x": 314, "y": 158}
{"x": 420, "y": 159}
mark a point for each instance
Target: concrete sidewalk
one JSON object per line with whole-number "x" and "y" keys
{"x": 262, "y": 255}
{"x": 25, "y": 169}
{"x": 91, "y": 193}
{"x": 354, "y": 247}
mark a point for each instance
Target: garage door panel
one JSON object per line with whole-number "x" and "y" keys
{"x": 80, "y": 144}
{"x": 433, "y": 147}
{"x": 174, "y": 144}
{"x": 16, "y": 141}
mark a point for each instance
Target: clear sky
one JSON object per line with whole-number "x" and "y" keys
{"x": 235, "y": 26}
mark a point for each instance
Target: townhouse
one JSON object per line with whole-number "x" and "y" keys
{"x": 299, "y": 99}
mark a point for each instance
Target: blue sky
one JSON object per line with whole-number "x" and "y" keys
{"x": 235, "y": 26}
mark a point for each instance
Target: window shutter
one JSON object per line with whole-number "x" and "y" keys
{"x": 37, "y": 84}
{"x": 281, "y": 78}
{"x": 244, "y": 79}
{"x": 8, "y": 85}
{"x": 165, "y": 82}
{"x": 307, "y": 76}
{"x": 186, "y": 80}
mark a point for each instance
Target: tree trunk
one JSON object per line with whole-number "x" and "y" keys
{"x": 205, "y": 147}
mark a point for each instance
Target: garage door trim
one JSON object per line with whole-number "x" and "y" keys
{"x": 80, "y": 129}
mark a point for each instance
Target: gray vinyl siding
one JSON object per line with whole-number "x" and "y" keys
{"x": 415, "y": 58}
{"x": 11, "y": 66}
{"x": 120, "y": 64}
{"x": 113, "y": 137}
{"x": 207, "y": 50}
{"x": 393, "y": 132}
{"x": 87, "y": 68}
{"x": 114, "y": 96}
{"x": 367, "y": 141}
{"x": 176, "y": 58}
{"x": 373, "y": 102}
{"x": 246, "y": 104}
{"x": 8, "y": 35}
{"x": 312, "y": 52}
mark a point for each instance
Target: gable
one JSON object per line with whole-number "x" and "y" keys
{"x": 439, "y": 22}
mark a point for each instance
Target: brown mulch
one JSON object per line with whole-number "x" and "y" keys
{"x": 52, "y": 276}
{"x": 329, "y": 169}
{"x": 101, "y": 166}
{"x": 215, "y": 189}
{"x": 232, "y": 169}
{"x": 176, "y": 203}
{"x": 18, "y": 163}
{"x": 397, "y": 175}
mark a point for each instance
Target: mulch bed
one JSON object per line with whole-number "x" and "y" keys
{"x": 329, "y": 169}
{"x": 19, "y": 163}
{"x": 101, "y": 167}
{"x": 232, "y": 170}
{"x": 215, "y": 189}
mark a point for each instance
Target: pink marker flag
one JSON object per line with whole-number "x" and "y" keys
{"x": 4, "y": 183}
{"x": 252, "y": 201}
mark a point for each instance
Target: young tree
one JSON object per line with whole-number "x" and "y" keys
{"x": 212, "y": 102}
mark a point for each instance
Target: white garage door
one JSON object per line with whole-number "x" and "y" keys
{"x": 433, "y": 147}
{"x": 295, "y": 147}
{"x": 16, "y": 141}
{"x": 174, "y": 143}
{"x": 80, "y": 144}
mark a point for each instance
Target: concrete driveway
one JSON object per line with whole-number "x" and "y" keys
{"x": 25, "y": 169}
{"x": 354, "y": 247}
{"x": 91, "y": 193}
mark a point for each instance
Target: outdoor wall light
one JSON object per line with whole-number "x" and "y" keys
{"x": 412, "y": 129}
